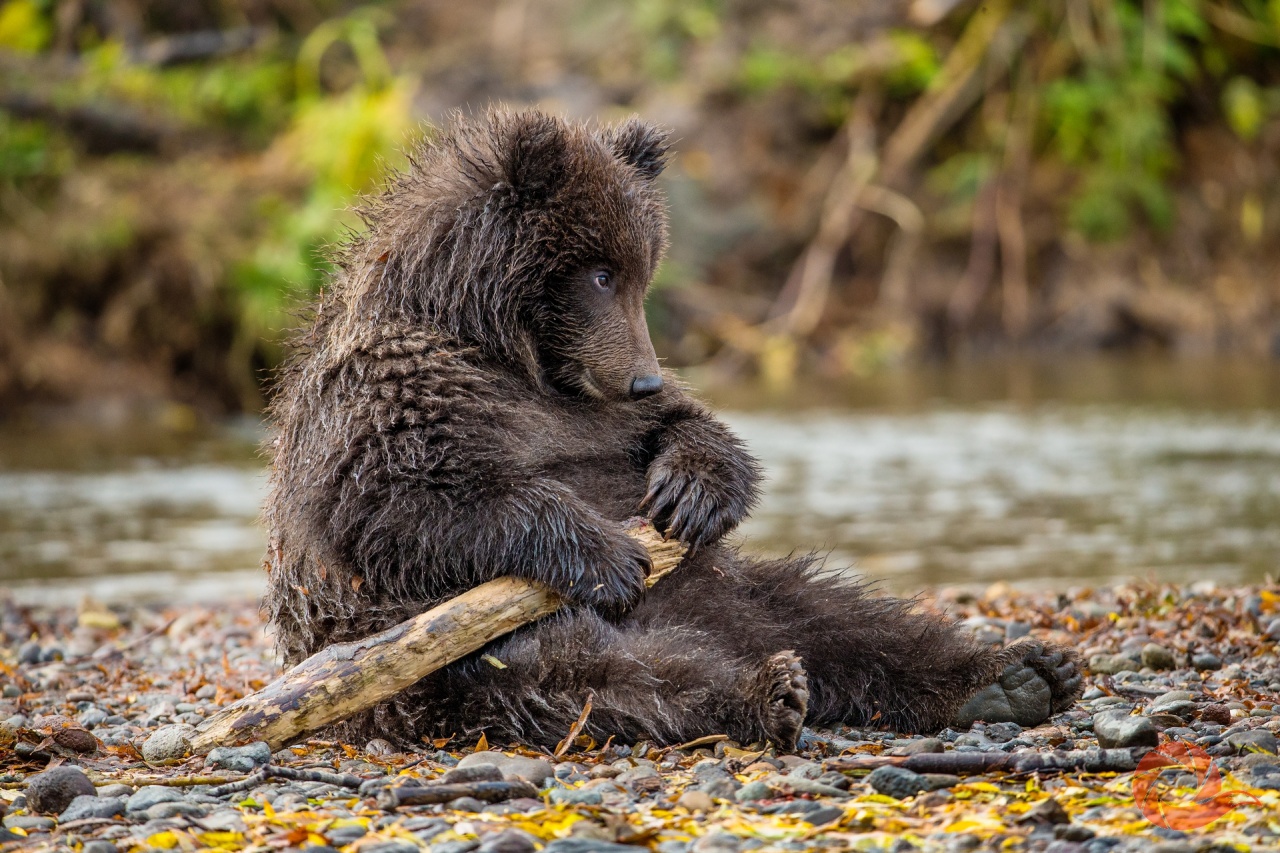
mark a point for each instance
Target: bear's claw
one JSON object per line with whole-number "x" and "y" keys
{"x": 786, "y": 699}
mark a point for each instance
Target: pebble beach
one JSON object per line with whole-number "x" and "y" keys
{"x": 97, "y": 703}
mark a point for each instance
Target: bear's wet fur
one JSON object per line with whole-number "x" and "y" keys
{"x": 477, "y": 396}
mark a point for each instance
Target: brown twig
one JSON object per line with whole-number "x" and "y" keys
{"x": 576, "y": 728}
{"x": 976, "y": 763}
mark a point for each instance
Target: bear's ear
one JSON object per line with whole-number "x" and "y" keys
{"x": 537, "y": 154}
{"x": 639, "y": 144}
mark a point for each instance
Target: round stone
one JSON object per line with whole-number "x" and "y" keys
{"x": 897, "y": 782}
{"x": 168, "y": 743}
{"x": 52, "y": 791}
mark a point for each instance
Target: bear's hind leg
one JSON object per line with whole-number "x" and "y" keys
{"x": 869, "y": 659}
{"x": 668, "y": 686}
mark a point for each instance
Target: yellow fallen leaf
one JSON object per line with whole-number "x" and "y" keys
{"x": 166, "y": 840}
{"x": 102, "y": 619}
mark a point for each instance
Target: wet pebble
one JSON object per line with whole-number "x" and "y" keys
{"x": 1116, "y": 729}
{"x": 52, "y": 791}
{"x": 577, "y": 796}
{"x": 86, "y": 806}
{"x": 240, "y": 759}
{"x": 99, "y": 846}
{"x": 1205, "y": 661}
{"x": 29, "y": 653}
{"x": 1113, "y": 664}
{"x": 696, "y": 801}
{"x": 897, "y": 782}
{"x": 340, "y": 836}
{"x": 532, "y": 770}
{"x": 1157, "y": 656}
{"x": 168, "y": 743}
{"x": 508, "y": 841}
{"x": 1255, "y": 740}
{"x": 150, "y": 795}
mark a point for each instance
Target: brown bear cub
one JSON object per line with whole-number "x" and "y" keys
{"x": 478, "y": 396}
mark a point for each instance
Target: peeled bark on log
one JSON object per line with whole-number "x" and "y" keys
{"x": 347, "y": 678}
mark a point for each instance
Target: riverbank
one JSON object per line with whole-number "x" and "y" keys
{"x": 1195, "y": 664}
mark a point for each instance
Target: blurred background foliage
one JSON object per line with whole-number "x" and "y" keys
{"x": 856, "y": 183}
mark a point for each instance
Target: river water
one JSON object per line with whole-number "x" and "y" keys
{"x": 1039, "y": 474}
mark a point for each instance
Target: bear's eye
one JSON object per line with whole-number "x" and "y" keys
{"x": 602, "y": 280}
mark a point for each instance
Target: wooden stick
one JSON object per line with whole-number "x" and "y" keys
{"x": 976, "y": 763}
{"x": 344, "y": 679}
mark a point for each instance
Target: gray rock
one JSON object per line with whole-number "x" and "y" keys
{"x": 637, "y": 773}
{"x": 1164, "y": 700}
{"x": 897, "y": 782}
{"x": 1272, "y": 631}
{"x": 508, "y": 841}
{"x": 391, "y": 847}
{"x": 583, "y": 845}
{"x": 1017, "y": 630}
{"x": 721, "y": 788}
{"x": 30, "y": 823}
{"x": 1048, "y": 812}
{"x": 1205, "y": 661}
{"x": 1113, "y": 664}
{"x": 577, "y": 796}
{"x": 801, "y": 785}
{"x": 532, "y": 770}
{"x": 149, "y": 795}
{"x": 99, "y": 847}
{"x": 52, "y": 791}
{"x": 466, "y": 804}
{"x": 1157, "y": 656}
{"x": 940, "y": 781}
{"x": 115, "y": 790}
{"x": 240, "y": 759}
{"x": 805, "y": 770}
{"x": 92, "y": 718}
{"x": 752, "y": 792}
{"x": 458, "y": 775}
{"x": 168, "y": 743}
{"x": 709, "y": 768}
{"x": 716, "y": 842}
{"x": 224, "y": 819}
{"x": 923, "y": 746}
{"x": 1118, "y": 730}
{"x": 1183, "y": 709}
{"x": 29, "y": 652}
{"x": 1255, "y": 740}
{"x": 86, "y": 806}
{"x": 161, "y": 811}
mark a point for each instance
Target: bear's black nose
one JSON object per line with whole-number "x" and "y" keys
{"x": 645, "y": 386}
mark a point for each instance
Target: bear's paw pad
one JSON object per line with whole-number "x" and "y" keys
{"x": 1039, "y": 682}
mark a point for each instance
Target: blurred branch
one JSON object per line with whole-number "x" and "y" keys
{"x": 1240, "y": 26}
{"x": 101, "y": 128}
{"x": 1010, "y": 189}
{"x": 194, "y": 47}
{"x": 994, "y": 34}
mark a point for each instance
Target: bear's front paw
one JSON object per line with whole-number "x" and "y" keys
{"x": 1038, "y": 681}
{"x": 690, "y": 506}
{"x": 611, "y": 579}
